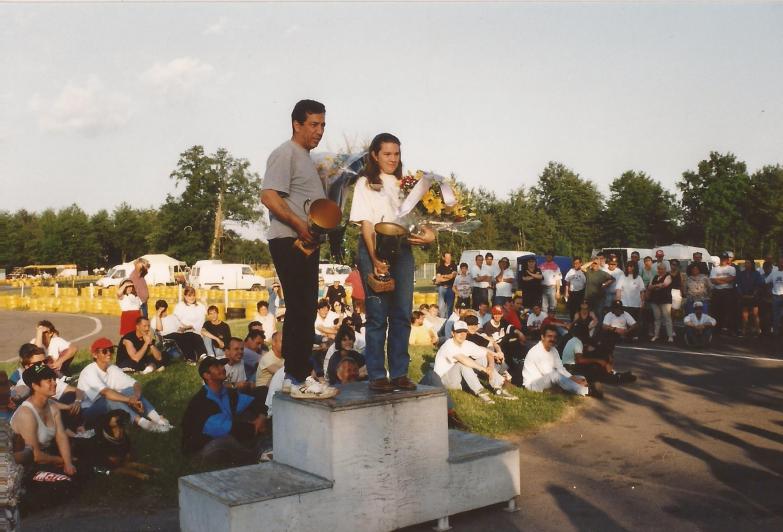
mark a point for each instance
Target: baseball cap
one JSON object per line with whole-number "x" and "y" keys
{"x": 460, "y": 326}
{"x": 698, "y": 304}
{"x": 462, "y": 304}
{"x": 101, "y": 343}
{"x": 36, "y": 373}
{"x": 617, "y": 303}
{"x": 724, "y": 255}
{"x": 659, "y": 252}
{"x": 207, "y": 363}
{"x": 497, "y": 309}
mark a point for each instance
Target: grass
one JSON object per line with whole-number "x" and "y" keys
{"x": 171, "y": 390}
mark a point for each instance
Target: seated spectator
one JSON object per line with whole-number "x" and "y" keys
{"x": 698, "y": 326}
{"x": 336, "y": 292}
{"x": 106, "y": 387}
{"x": 476, "y": 336}
{"x": 560, "y": 325}
{"x": 458, "y": 360}
{"x": 325, "y": 322}
{"x": 618, "y": 324}
{"x": 340, "y": 311}
{"x": 256, "y": 326}
{"x": 59, "y": 349}
{"x": 460, "y": 311}
{"x": 344, "y": 340}
{"x": 191, "y": 313}
{"x": 534, "y": 321}
{"x": 236, "y": 377}
{"x": 358, "y": 345}
{"x": 355, "y": 322}
{"x": 169, "y": 341}
{"x": 265, "y": 318}
{"x": 253, "y": 348}
{"x": 216, "y": 333}
{"x": 510, "y": 340}
{"x": 581, "y": 357}
{"x": 512, "y": 312}
{"x": 130, "y": 306}
{"x": 39, "y": 423}
{"x": 221, "y": 424}
{"x": 137, "y": 351}
{"x": 431, "y": 317}
{"x": 543, "y": 367}
{"x": 348, "y": 370}
{"x": 484, "y": 315}
{"x": 463, "y": 284}
{"x": 270, "y": 362}
{"x": 420, "y": 333}
{"x": 585, "y": 317}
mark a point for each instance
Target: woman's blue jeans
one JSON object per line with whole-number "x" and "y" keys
{"x": 388, "y": 309}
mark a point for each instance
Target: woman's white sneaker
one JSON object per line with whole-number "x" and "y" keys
{"x": 312, "y": 389}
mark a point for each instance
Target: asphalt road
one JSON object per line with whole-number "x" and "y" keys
{"x": 695, "y": 444}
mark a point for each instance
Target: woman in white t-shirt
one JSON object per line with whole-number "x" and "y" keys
{"x": 504, "y": 282}
{"x": 191, "y": 314}
{"x": 130, "y": 306}
{"x": 630, "y": 290}
{"x": 376, "y": 198}
{"x": 60, "y": 350}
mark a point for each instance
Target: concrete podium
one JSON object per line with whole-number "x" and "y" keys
{"x": 362, "y": 461}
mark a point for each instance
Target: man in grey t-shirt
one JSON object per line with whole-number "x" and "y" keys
{"x": 291, "y": 179}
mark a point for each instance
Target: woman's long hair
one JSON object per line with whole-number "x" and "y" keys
{"x": 372, "y": 171}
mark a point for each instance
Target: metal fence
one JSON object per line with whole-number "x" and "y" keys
{"x": 425, "y": 272}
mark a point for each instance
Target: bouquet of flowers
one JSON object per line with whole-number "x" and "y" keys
{"x": 437, "y": 201}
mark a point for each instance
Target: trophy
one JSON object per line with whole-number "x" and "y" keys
{"x": 389, "y": 238}
{"x": 323, "y": 217}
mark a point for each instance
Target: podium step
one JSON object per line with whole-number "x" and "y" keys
{"x": 464, "y": 446}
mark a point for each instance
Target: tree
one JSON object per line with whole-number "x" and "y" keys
{"x": 132, "y": 228}
{"x": 639, "y": 212}
{"x": 715, "y": 203}
{"x": 573, "y": 204}
{"x": 766, "y": 197}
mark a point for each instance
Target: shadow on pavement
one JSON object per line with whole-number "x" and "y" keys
{"x": 582, "y": 514}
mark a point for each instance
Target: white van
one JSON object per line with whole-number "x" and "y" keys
{"x": 163, "y": 270}
{"x": 216, "y": 275}
{"x": 333, "y": 272}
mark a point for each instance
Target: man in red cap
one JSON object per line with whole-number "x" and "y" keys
{"x": 106, "y": 387}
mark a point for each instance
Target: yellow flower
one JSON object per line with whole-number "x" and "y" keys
{"x": 432, "y": 203}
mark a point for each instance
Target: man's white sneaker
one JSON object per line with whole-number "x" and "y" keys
{"x": 149, "y": 369}
{"x": 503, "y": 394}
{"x": 485, "y": 398}
{"x": 312, "y": 389}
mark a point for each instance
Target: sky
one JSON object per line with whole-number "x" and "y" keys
{"x": 97, "y": 100}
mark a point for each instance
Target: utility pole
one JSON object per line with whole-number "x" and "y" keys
{"x": 214, "y": 248}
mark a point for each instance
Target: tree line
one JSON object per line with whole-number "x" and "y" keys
{"x": 721, "y": 206}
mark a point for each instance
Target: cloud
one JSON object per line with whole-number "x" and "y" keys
{"x": 87, "y": 109}
{"x": 216, "y": 28}
{"x": 293, "y": 29}
{"x": 178, "y": 75}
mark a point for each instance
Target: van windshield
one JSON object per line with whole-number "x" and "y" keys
{"x": 246, "y": 270}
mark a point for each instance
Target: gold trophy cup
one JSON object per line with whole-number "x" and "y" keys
{"x": 389, "y": 238}
{"x": 323, "y": 217}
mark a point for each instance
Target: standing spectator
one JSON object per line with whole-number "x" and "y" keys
{"x": 445, "y": 274}
{"x": 636, "y": 258}
{"x": 765, "y": 300}
{"x": 699, "y": 262}
{"x": 596, "y": 283}
{"x": 191, "y": 313}
{"x": 336, "y": 292}
{"x": 601, "y": 258}
{"x": 630, "y": 290}
{"x": 504, "y": 283}
{"x": 216, "y": 333}
{"x": 530, "y": 283}
{"x": 647, "y": 271}
{"x": 550, "y": 282}
{"x": 276, "y": 300}
{"x": 775, "y": 278}
{"x": 659, "y": 255}
{"x": 724, "y": 297}
{"x": 617, "y": 274}
{"x": 698, "y": 325}
{"x": 697, "y": 287}
{"x": 137, "y": 351}
{"x": 130, "y": 306}
{"x": 659, "y": 295}
{"x": 575, "y": 287}
{"x": 543, "y": 367}
{"x": 750, "y": 285}
{"x": 481, "y": 276}
{"x": 354, "y": 280}
{"x": 266, "y": 318}
{"x": 494, "y": 270}
{"x": 140, "y": 268}
{"x": 60, "y": 350}
{"x": 107, "y": 387}
{"x": 461, "y": 285}
{"x": 677, "y": 284}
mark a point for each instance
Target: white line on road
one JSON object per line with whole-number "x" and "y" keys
{"x": 699, "y": 353}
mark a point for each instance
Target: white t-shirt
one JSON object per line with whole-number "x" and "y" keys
{"x": 56, "y": 346}
{"x": 130, "y": 302}
{"x": 573, "y": 347}
{"x": 268, "y": 323}
{"x": 193, "y": 315}
{"x": 693, "y": 320}
{"x": 576, "y": 280}
{"x": 535, "y": 321}
{"x": 235, "y": 373}
{"x": 447, "y": 354}
{"x": 463, "y": 284}
{"x": 623, "y": 321}
{"x": 475, "y": 271}
{"x": 169, "y": 324}
{"x": 775, "y": 278}
{"x": 494, "y": 270}
{"x": 92, "y": 380}
{"x": 540, "y": 362}
{"x": 275, "y": 385}
{"x": 631, "y": 290}
{"x": 504, "y": 287}
{"x": 376, "y": 206}
{"x": 616, "y": 274}
{"x": 326, "y": 322}
{"x": 721, "y": 272}
{"x": 550, "y": 273}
